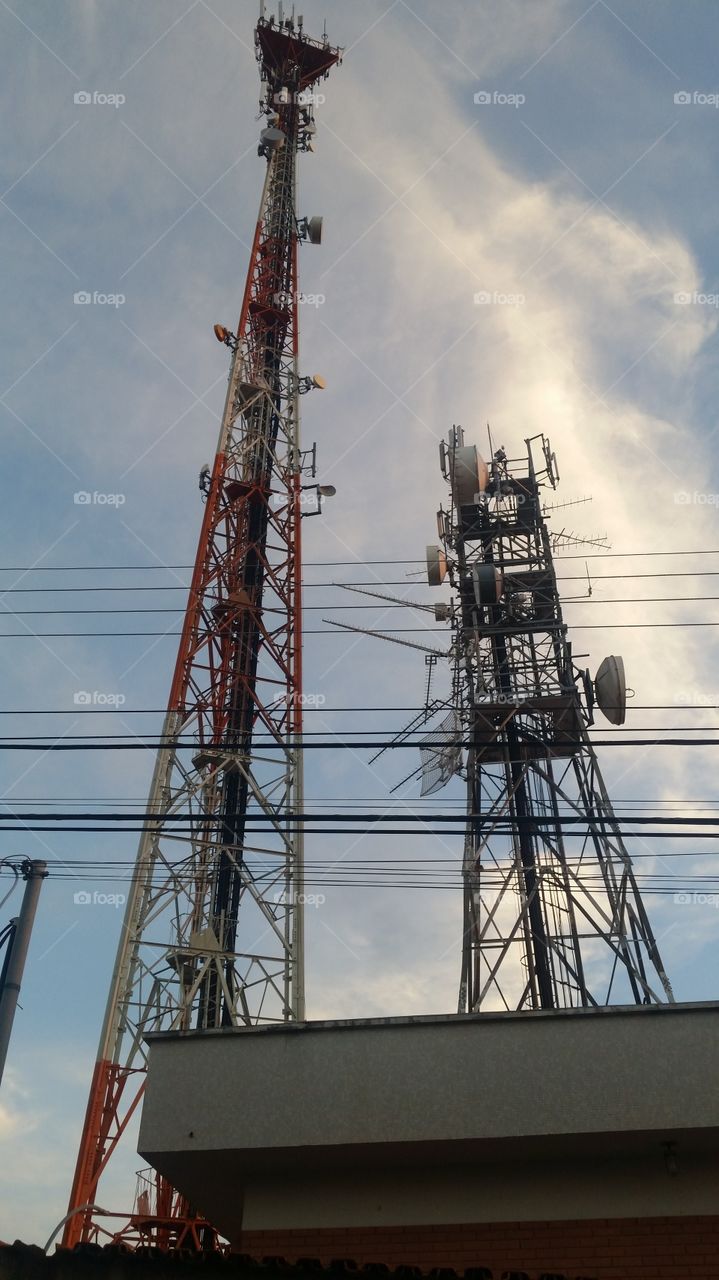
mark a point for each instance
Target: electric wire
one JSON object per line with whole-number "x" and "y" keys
{"x": 596, "y": 555}
{"x": 270, "y": 743}
{"x": 168, "y": 635}
{"x": 343, "y": 817}
{"x": 82, "y": 710}
{"x": 372, "y": 582}
{"x": 342, "y": 608}
{"x": 502, "y": 827}
{"x": 177, "y": 833}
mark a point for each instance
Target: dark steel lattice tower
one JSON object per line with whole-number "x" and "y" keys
{"x": 212, "y": 934}
{"x": 553, "y": 917}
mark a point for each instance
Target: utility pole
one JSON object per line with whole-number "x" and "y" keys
{"x": 18, "y": 942}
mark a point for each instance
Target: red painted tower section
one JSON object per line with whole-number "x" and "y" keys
{"x": 212, "y": 934}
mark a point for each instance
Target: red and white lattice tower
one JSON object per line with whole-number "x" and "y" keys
{"x": 213, "y": 934}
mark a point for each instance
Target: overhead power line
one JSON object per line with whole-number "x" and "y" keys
{"x": 333, "y": 744}
{"x": 324, "y": 631}
{"x": 359, "y": 563}
{"x": 371, "y": 582}
{"x": 287, "y": 827}
{"x": 343, "y": 608}
{"x": 483, "y": 821}
{"x": 81, "y": 710}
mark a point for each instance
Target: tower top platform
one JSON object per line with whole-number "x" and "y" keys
{"x": 281, "y": 47}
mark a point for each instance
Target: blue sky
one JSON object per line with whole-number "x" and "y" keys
{"x": 593, "y": 199}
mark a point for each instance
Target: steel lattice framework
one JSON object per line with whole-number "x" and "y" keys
{"x": 553, "y": 917}
{"x": 212, "y": 934}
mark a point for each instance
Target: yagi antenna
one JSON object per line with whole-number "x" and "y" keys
{"x": 565, "y": 539}
{"x": 381, "y": 595}
{"x": 430, "y": 661}
{"x": 380, "y": 635}
{"x": 572, "y": 502}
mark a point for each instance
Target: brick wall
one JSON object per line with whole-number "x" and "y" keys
{"x": 602, "y": 1248}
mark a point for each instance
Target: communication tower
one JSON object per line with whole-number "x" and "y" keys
{"x": 212, "y": 935}
{"x": 553, "y": 916}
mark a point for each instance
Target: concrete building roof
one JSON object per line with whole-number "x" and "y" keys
{"x": 561, "y": 1114}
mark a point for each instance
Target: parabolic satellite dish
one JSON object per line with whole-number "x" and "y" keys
{"x": 470, "y": 475}
{"x": 442, "y": 758}
{"x": 610, "y": 688}
{"x": 314, "y": 229}
{"x": 273, "y": 138}
{"x": 488, "y": 583}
